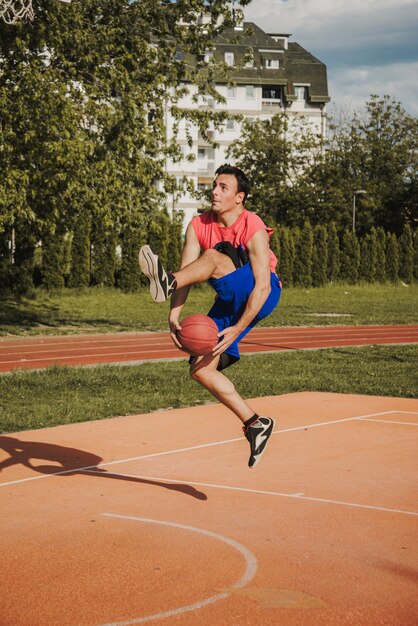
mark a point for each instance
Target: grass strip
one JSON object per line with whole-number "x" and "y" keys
{"x": 62, "y": 395}
{"x": 110, "y": 310}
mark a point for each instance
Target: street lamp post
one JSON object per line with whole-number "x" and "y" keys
{"x": 356, "y": 193}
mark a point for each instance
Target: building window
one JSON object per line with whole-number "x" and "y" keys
{"x": 272, "y": 64}
{"x": 206, "y": 57}
{"x": 301, "y": 92}
{"x": 249, "y": 60}
{"x": 206, "y": 159}
{"x": 229, "y": 58}
{"x": 249, "y": 92}
{"x": 231, "y": 92}
{"x": 272, "y": 92}
{"x": 230, "y": 125}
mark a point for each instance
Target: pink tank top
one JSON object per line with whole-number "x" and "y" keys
{"x": 209, "y": 232}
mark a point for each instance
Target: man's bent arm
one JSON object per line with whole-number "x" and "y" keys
{"x": 191, "y": 252}
{"x": 259, "y": 252}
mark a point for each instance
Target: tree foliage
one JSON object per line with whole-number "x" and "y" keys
{"x": 298, "y": 177}
{"x": 83, "y": 95}
{"x": 392, "y": 258}
{"x": 350, "y": 257}
{"x": 274, "y": 154}
{"x": 406, "y": 255}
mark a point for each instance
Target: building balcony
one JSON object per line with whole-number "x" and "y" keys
{"x": 271, "y": 106}
{"x": 206, "y": 167}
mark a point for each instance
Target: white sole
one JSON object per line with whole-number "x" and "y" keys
{"x": 149, "y": 266}
{"x": 258, "y": 459}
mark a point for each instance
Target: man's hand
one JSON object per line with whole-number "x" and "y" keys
{"x": 229, "y": 335}
{"x": 174, "y": 327}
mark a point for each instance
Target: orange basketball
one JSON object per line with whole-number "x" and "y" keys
{"x": 198, "y": 334}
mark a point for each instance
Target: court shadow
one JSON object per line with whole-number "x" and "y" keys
{"x": 398, "y": 569}
{"x": 70, "y": 461}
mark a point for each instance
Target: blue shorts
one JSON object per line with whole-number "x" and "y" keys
{"x": 233, "y": 291}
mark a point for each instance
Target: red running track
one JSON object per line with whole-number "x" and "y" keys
{"x": 128, "y": 348}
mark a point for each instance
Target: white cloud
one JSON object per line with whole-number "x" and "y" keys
{"x": 369, "y": 46}
{"x": 351, "y": 88}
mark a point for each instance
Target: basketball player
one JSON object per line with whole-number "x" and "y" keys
{"x": 229, "y": 247}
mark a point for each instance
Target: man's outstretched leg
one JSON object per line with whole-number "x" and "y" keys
{"x": 257, "y": 429}
{"x": 211, "y": 264}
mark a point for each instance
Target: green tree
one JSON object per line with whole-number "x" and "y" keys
{"x": 104, "y": 240}
{"x": 334, "y": 262}
{"x": 380, "y": 255}
{"x": 5, "y": 260}
{"x": 274, "y": 237}
{"x": 406, "y": 255}
{"x": 392, "y": 258}
{"x": 287, "y": 256}
{"x": 132, "y": 238}
{"x": 53, "y": 269}
{"x": 83, "y": 94}
{"x": 175, "y": 244}
{"x": 80, "y": 252}
{"x": 416, "y": 254}
{"x": 159, "y": 235}
{"x": 375, "y": 151}
{"x": 23, "y": 259}
{"x": 368, "y": 256}
{"x": 320, "y": 256}
{"x": 274, "y": 153}
{"x": 302, "y": 268}
{"x": 350, "y": 257}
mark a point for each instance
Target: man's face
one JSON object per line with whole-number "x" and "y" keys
{"x": 225, "y": 195}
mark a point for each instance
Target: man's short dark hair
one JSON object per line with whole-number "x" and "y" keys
{"x": 242, "y": 180}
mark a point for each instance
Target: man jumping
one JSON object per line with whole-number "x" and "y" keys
{"x": 229, "y": 247}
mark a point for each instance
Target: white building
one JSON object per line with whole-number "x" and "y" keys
{"x": 272, "y": 75}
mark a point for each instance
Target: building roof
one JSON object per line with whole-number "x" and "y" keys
{"x": 297, "y": 66}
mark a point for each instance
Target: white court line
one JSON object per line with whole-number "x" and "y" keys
{"x": 188, "y": 449}
{"x": 366, "y": 419}
{"x": 249, "y": 573}
{"x": 295, "y": 496}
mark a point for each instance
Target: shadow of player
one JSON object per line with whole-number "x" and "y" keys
{"x": 70, "y": 461}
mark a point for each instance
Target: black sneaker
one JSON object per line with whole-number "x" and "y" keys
{"x": 162, "y": 283}
{"x": 258, "y": 434}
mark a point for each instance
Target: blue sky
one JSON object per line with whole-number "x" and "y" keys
{"x": 369, "y": 46}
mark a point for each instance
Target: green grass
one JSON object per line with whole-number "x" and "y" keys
{"x": 60, "y": 395}
{"x": 109, "y": 310}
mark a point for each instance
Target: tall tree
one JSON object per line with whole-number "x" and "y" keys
{"x": 406, "y": 255}
{"x": 302, "y": 268}
{"x": 350, "y": 257}
{"x": 416, "y": 254}
{"x": 274, "y": 153}
{"x": 83, "y": 96}
{"x": 392, "y": 258}
{"x": 175, "y": 244}
{"x": 320, "y": 256}
{"x": 287, "y": 256}
{"x": 381, "y": 244}
{"x": 333, "y": 252}
{"x": 375, "y": 151}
